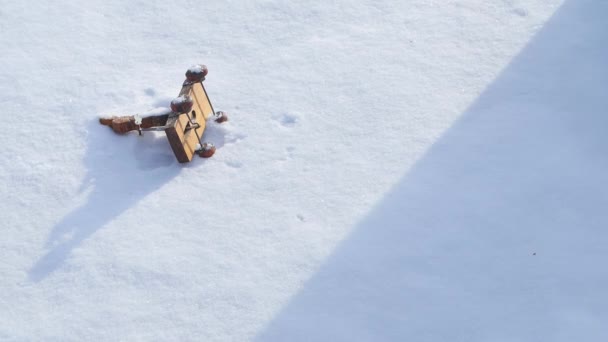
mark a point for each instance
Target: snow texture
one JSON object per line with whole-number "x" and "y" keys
{"x": 156, "y": 112}
{"x": 196, "y": 69}
{"x": 181, "y": 99}
{"x": 415, "y": 170}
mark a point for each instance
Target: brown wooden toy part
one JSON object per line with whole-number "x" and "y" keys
{"x": 206, "y": 151}
{"x": 125, "y": 124}
{"x": 221, "y": 117}
{"x": 196, "y": 73}
{"x": 183, "y": 136}
{"x": 184, "y": 130}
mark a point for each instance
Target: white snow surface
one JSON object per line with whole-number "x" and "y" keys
{"x": 155, "y": 112}
{"x": 421, "y": 170}
{"x": 196, "y": 69}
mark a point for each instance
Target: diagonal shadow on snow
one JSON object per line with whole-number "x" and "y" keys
{"x": 121, "y": 170}
{"x": 499, "y": 232}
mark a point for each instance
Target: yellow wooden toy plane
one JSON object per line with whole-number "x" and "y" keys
{"x": 185, "y": 124}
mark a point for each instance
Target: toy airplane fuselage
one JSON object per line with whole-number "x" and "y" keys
{"x": 185, "y": 130}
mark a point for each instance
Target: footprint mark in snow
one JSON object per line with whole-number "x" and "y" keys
{"x": 235, "y": 164}
{"x": 150, "y": 92}
{"x": 287, "y": 119}
{"x": 520, "y": 12}
{"x": 234, "y": 138}
{"x": 289, "y": 151}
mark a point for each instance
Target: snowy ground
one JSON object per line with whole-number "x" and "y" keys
{"x": 417, "y": 170}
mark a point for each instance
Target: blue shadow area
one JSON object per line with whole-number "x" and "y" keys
{"x": 121, "y": 170}
{"x": 499, "y": 233}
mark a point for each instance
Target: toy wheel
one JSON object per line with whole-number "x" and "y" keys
{"x": 207, "y": 150}
{"x": 220, "y": 116}
{"x": 196, "y": 73}
{"x": 182, "y": 104}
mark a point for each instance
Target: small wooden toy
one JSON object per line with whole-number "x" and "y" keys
{"x": 184, "y": 125}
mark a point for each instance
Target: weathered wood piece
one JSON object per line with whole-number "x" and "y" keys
{"x": 184, "y": 131}
{"x": 125, "y": 124}
{"x": 182, "y": 134}
{"x": 198, "y": 94}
